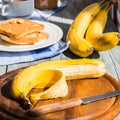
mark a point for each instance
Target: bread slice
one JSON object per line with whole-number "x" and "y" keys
{"x": 17, "y": 28}
{"x": 27, "y": 40}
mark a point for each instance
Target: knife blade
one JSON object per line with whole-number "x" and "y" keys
{"x": 69, "y": 103}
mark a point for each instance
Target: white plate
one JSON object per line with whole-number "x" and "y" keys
{"x": 55, "y": 34}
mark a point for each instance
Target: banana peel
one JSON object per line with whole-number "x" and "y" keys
{"x": 52, "y": 80}
{"x": 57, "y": 87}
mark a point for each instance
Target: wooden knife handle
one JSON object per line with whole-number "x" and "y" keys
{"x": 55, "y": 107}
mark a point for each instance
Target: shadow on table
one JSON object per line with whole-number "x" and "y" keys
{"x": 71, "y": 55}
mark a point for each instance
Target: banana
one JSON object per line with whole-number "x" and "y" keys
{"x": 21, "y": 88}
{"x": 98, "y": 23}
{"x": 78, "y": 44}
{"x": 106, "y": 41}
{"x": 99, "y": 40}
{"x": 34, "y": 75}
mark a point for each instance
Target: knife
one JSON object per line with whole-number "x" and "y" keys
{"x": 69, "y": 103}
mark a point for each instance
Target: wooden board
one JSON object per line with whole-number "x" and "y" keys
{"x": 11, "y": 109}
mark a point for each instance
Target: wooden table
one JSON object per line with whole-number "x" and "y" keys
{"x": 63, "y": 19}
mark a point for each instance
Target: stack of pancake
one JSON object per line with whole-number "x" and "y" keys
{"x": 22, "y": 31}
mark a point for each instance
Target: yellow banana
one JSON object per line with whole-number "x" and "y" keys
{"x": 99, "y": 40}
{"x": 56, "y": 87}
{"x": 45, "y": 78}
{"x": 106, "y": 41}
{"x": 28, "y": 78}
{"x": 98, "y": 24}
{"x": 78, "y": 44}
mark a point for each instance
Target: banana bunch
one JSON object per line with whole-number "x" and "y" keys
{"x": 76, "y": 33}
{"x": 99, "y": 40}
{"x": 52, "y": 75}
{"x": 85, "y": 33}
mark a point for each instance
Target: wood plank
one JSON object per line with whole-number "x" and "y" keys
{"x": 3, "y": 70}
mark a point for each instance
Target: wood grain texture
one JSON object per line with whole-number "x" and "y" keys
{"x": 77, "y": 88}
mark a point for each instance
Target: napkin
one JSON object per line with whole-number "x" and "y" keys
{"x": 43, "y": 14}
{"x": 39, "y": 14}
{"x": 7, "y": 58}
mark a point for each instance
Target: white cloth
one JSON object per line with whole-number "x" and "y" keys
{"x": 7, "y": 58}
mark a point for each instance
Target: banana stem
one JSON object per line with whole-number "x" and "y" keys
{"x": 103, "y": 2}
{"x": 26, "y": 102}
{"x": 119, "y": 36}
{"x": 108, "y": 6}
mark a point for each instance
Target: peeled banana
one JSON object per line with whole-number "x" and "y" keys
{"x": 99, "y": 40}
{"x": 40, "y": 75}
{"x": 78, "y": 44}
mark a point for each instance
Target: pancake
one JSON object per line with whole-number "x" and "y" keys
{"x": 27, "y": 40}
{"x": 17, "y": 28}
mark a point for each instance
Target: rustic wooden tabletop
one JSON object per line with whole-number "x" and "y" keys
{"x": 63, "y": 19}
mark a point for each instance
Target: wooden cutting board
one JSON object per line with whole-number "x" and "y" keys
{"x": 11, "y": 109}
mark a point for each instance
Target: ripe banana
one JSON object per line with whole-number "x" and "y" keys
{"x": 99, "y": 40}
{"x": 106, "y": 41}
{"x": 98, "y": 23}
{"x": 28, "y": 78}
{"x": 78, "y": 44}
